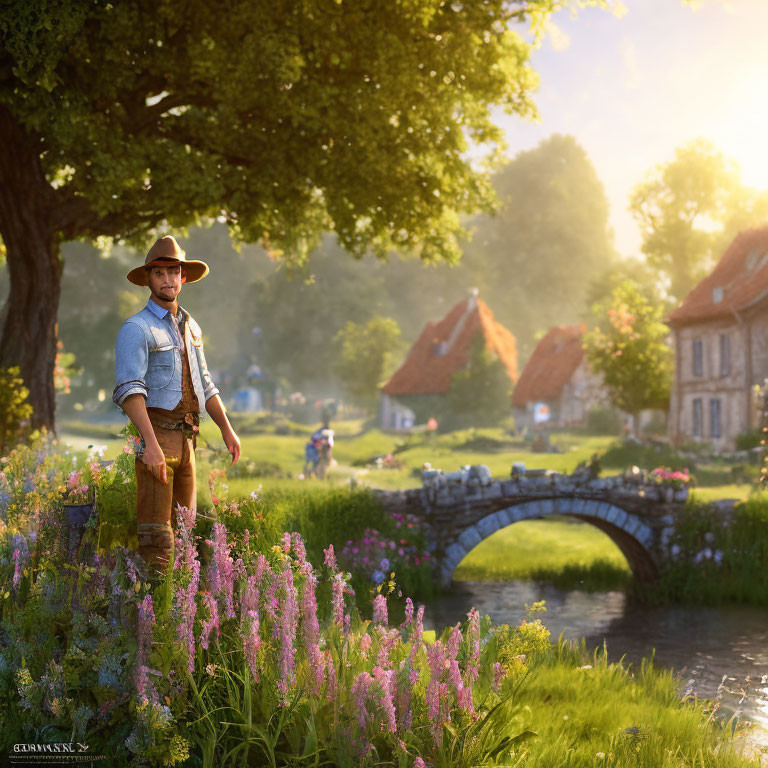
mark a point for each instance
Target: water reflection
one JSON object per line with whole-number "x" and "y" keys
{"x": 713, "y": 650}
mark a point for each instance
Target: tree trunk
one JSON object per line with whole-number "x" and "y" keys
{"x": 29, "y": 329}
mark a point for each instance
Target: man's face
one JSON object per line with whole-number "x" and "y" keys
{"x": 165, "y": 282}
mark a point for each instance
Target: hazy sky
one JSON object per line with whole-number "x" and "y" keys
{"x": 632, "y": 89}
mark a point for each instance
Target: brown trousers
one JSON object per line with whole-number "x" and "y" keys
{"x": 156, "y": 501}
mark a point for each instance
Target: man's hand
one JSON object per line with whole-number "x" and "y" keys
{"x": 154, "y": 458}
{"x": 232, "y": 442}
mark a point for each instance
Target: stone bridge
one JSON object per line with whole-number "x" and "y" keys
{"x": 461, "y": 509}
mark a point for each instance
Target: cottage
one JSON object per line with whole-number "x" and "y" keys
{"x": 720, "y": 337}
{"x": 417, "y": 388}
{"x": 557, "y": 382}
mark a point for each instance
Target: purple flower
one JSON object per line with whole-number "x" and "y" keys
{"x": 289, "y": 611}
{"x": 145, "y": 690}
{"x": 359, "y": 693}
{"x": 377, "y": 577}
{"x": 311, "y": 630}
{"x": 221, "y": 573}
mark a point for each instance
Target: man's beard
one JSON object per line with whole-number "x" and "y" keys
{"x": 171, "y": 295}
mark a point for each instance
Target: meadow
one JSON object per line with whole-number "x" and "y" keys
{"x": 265, "y": 646}
{"x": 566, "y": 553}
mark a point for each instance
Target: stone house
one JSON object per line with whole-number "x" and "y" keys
{"x": 558, "y": 380}
{"x": 720, "y": 335}
{"x": 416, "y": 388}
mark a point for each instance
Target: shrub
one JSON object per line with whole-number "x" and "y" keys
{"x": 746, "y": 441}
{"x": 713, "y": 561}
{"x": 644, "y": 455}
{"x": 15, "y": 411}
{"x": 603, "y": 421}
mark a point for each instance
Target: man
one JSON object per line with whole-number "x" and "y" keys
{"x": 162, "y": 383}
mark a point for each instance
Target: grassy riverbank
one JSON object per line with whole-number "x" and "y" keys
{"x": 568, "y": 554}
{"x": 304, "y": 673}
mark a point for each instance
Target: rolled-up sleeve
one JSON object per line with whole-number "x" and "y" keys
{"x": 209, "y": 388}
{"x": 131, "y": 356}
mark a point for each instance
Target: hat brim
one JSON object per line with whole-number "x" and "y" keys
{"x": 196, "y": 270}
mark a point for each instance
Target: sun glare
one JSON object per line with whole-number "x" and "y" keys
{"x": 742, "y": 132}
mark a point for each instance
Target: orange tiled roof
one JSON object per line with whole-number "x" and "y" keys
{"x": 551, "y": 366}
{"x": 739, "y": 280}
{"x": 426, "y": 372}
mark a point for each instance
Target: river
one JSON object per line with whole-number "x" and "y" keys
{"x": 712, "y": 650}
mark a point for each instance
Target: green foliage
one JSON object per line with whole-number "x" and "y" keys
{"x": 689, "y": 209}
{"x": 365, "y": 354}
{"x": 15, "y": 411}
{"x": 603, "y": 421}
{"x": 418, "y": 79}
{"x": 746, "y": 441}
{"x": 631, "y": 453}
{"x": 480, "y": 393}
{"x": 629, "y": 350}
{"x": 714, "y": 563}
{"x": 534, "y": 261}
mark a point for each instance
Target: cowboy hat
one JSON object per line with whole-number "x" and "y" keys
{"x": 166, "y": 251}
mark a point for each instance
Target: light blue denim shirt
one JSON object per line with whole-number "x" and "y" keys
{"x": 148, "y": 359}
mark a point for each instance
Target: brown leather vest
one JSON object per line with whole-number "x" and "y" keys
{"x": 188, "y": 403}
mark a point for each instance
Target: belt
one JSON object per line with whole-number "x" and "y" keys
{"x": 189, "y": 425}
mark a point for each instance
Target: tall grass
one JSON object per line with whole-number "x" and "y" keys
{"x": 715, "y": 560}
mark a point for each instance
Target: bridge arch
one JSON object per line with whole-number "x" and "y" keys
{"x": 632, "y": 536}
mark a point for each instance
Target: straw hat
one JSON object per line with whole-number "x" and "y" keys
{"x": 166, "y": 251}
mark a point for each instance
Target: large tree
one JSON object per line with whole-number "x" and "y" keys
{"x": 536, "y": 258}
{"x": 689, "y": 209}
{"x": 285, "y": 119}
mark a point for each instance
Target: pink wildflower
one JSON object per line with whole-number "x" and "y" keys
{"x": 330, "y": 558}
{"x": 146, "y": 622}
{"x": 331, "y": 684}
{"x": 213, "y": 619}
{"x": 359, "y": 693}
{"x": 186, "y": 608}
{"x": 386, "y": 679}
{"x": 499, "y": 673}
{"x": 365, "y": 644}
{"x": 221, "y": 573}
{"x": 380, "y": 610}
{"x": 311, "y": 630}
{"x": 338, "y": 599}
{"x": 287, "y": 632}
{"x": 252, "y": 643}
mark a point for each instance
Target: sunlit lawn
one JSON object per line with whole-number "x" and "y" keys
{"x": 535, "y": 548}
{"x": 532, "y": 549}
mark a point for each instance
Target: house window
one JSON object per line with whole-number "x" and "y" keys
{"x": 725, "y": 354}
{"x": 698, "y": 417}
{"x": 714, "y": 417}
{"x": 698, "y": 357}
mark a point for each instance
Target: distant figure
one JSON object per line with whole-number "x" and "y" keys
{"x": 318, "y": 453}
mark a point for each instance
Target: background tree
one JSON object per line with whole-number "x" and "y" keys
{"x": 534, "y": 260}
{"x": 689, "y": 209}
{"x": 285, "y": 120}
{"x": 631, "y": 352}
{"x": 480, "y": 394}
{"x": 365, "y": 354}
